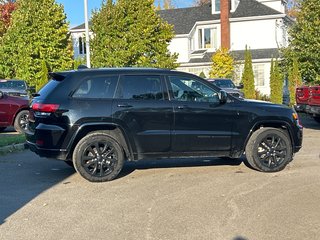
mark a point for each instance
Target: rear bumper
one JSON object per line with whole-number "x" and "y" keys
{"x": 313, "y": 110}
{"x": 300, "y": 107}
{"x": 60, "y": 154}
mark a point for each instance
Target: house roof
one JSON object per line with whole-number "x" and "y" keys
{"x": 239, "y": 55}
{"x": 183, "y": 19}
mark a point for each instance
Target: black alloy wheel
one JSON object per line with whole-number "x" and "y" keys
{"x": 98, "y": 157}
{"x": 272, "y": 151}
{"x": 269, "y": 150}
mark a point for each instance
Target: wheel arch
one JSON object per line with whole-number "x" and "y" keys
{"x": 113, "y": 130}
{"x": 273, "y": 124}
{"x": 16, "y": 113}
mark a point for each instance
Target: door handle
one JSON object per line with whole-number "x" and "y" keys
{"x": 124, "y": 106}
{"x": 182, "y": 107}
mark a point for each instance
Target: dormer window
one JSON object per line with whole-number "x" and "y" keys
{"x": 216, "y": 5}
{"x": 207, "y": 38}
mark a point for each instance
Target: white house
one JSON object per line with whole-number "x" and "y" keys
{"x": 200, "y": 31}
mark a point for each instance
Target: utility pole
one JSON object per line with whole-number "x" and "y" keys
{"x": 86, "y": 18}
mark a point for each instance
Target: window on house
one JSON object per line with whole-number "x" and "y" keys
{"x": 206, "y": 38}
{"x": 217, "y": 6}
{"x": 200, "y": 39}
{"x": 82, "y": 45}
{"x": 258, "y": 71}
{"x": 233, "y": 4}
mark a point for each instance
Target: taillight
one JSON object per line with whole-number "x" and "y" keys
{"x": 43, "y": 107}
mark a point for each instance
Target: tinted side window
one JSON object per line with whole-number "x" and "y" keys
{"x": 98, "y": 87}
{"x": 188, "y": 89}
{"x": 140, "y": 87}
{"x": 48, "y": 88}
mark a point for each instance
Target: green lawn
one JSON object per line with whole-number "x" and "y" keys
{"x": 6, "y": 140}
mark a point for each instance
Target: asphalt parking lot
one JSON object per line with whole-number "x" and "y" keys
{"x": 163, "y": 199}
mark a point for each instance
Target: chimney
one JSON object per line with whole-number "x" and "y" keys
{"x": 225, "y": 23}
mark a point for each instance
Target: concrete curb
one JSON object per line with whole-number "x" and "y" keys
{"x": 12, "y": 148}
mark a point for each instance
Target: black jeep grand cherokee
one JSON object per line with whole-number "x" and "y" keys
{"x": 98, "y": 118}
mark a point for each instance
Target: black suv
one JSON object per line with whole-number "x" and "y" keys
{"x": 98, "y": 118}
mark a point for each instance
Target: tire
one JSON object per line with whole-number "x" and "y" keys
{"x": 269, "y": 150}
{"x": 98, "y": 157}
{"x": 21, "y": 121}
{"x": 317, "y": 118}
{"x": 2, "y": 128}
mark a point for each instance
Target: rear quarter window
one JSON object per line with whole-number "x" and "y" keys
{"x": 48, "y": 88}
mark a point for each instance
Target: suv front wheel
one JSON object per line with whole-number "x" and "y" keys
{"x": 269, "y": 150}
{"x": 98, "y": 157}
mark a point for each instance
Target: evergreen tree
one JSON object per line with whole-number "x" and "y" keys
{"x": 44, "y": 76}
{"x": 276, "y": 83}
{"x": 131, "y": 33}
{"x": 305, "y": 40}
{"x": 248, "y": 76}
{"x": 202, "y": 75}
{"x": 38, "y": 32}
{"x": 294, "y": 78}
{"x": 223, "y": 64}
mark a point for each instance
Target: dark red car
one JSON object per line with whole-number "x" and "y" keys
{"x": 13, "y": 112}
{"x": 314, "y": 102}
{"x": 302, "y": 98}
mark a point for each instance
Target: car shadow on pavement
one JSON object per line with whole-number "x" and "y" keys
{"x": 24, "y": 176}
{"x": 130, "y": 167}
{"x": 307, "y": 121}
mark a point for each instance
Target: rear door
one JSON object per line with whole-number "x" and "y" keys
{"x": 142, "y": 108}
{"x": 201, "y": 123}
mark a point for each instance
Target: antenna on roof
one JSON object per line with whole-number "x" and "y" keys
{"x": 82, "y": 67}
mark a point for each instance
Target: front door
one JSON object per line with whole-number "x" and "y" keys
{"x": 5, "y": 111}
{"x": 142, "y": 107}
{"x": 202, "y": 123}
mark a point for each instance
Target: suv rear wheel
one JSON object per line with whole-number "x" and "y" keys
{"x": 98, "y": 157}
{"x": 21, "y": 121}
{"x": 269, "y": 150}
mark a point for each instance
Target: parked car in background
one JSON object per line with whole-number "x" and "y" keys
{"x": 302, "y": 98}
{"x": 13, "y": 112}
{"x": 228, "y": 86}
{"x": 96, "y": 119}
{"x": 314, "y": 102}
{"x": 17, "y": 88}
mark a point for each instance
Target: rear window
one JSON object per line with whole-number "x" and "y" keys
{"x": 224, "y": 83}
{"x": 13, "y": 84}
{"x": 48, "y": 88}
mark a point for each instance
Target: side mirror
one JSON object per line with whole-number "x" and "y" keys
{"x": 240, "y": 86}
{"x": 223, "y": 96}
{"x": 1, "y": 95}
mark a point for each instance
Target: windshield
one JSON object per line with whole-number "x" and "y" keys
{"x": 224, "y": 83}
{"x": 12, "y": 84}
